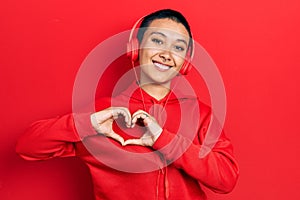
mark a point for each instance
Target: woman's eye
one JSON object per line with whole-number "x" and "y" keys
{"x": 157, "y": 41}
{"x": 179, "y": 48}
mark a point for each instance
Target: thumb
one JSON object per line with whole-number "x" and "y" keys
{"x": 116, "y": 137}
{"x": 133, "y": 142}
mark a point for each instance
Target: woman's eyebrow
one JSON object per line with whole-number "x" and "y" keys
{"x": 181, "y": 40}
{"x": 160, "y": 33}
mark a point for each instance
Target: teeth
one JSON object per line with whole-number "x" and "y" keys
{"x": 161, "y": 66}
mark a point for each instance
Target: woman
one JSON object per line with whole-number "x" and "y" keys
{"x": 144, "y": 143}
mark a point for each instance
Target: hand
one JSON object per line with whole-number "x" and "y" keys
{"x": 102, "y": 121}
{"x": 153, "y": 129}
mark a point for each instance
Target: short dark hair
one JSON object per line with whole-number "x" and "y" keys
{"x": 163, "y": 14}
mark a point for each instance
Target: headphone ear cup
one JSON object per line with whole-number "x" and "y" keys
{"x": 186, "y": 66}
{"x": 133, "y": 49}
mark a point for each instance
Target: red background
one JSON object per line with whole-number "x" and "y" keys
{"x": 254, "y": 43}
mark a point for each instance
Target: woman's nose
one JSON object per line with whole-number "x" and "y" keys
{"x": 165, "y": 56}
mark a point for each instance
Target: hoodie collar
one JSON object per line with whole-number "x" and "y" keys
{"x": 137, "y": 93}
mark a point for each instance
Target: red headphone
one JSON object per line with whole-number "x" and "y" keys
{"x": 133, "y": 50}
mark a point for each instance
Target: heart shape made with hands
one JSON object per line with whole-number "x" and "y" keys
{"x": 102, "y": 122}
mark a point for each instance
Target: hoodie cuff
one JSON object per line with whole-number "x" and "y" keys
{"x": 83, "y": 125}
{"x": 164, "y": 139}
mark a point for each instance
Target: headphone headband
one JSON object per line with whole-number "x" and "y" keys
{"x": 134, "y": 27}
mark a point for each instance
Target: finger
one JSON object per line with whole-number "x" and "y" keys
{"x": 142, "y": 118}
{"x": 116, "y": 111}
{"x": 147, "y": 121}
{"x": 101, "y": 116}
{"x": 139, "y": 114}
{"x": 116, "y": 137}
{"x": 134, "y": 142}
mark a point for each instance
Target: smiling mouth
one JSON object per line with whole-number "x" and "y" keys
{"x": 161, "y": 67}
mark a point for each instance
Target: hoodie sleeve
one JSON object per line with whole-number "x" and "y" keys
{"x": 55, "y": 137}
{"x": 217, "y": 170}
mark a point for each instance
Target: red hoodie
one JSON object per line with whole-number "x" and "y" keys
{"x": 171, "y": 169}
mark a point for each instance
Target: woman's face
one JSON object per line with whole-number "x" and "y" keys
{"x": 162, "y": 51}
